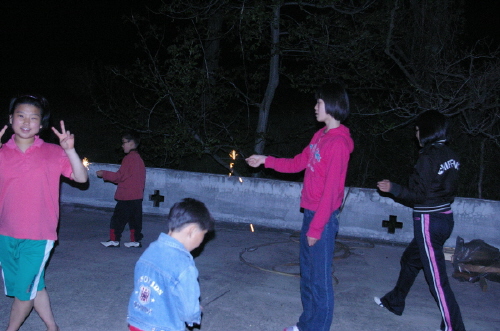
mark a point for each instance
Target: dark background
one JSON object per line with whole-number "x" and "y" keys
{"x": 47, "y": 45}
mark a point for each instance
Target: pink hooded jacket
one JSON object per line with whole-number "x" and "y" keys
{"x": 325, "y": 161}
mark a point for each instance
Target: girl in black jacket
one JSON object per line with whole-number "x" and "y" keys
{"x": 431, "y": 190}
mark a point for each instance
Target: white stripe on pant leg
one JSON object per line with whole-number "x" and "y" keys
{"x": 4, "y": 285}
{"x": 48, "y": 248}
{"x": 429, "y": 252}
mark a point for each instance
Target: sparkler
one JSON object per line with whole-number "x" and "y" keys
{"x": 251, "y": 227}
{"x": 86, "y": 163}
{"x": 233, "y": 156}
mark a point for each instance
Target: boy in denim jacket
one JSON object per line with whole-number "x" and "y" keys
{"x": 166, "y": 290}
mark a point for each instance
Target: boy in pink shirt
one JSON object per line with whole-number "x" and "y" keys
{"x": 131, "y": 179}
{"x": 325, "y": 162}
{"x": 30, "y": 171}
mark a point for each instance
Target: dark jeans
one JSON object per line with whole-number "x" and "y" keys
{"x": 425, "y": 252}
{"x": 316, "y": 283}
{"x": 127, "y": 211}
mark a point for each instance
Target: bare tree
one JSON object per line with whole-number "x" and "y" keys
{"x": 423, "y": 41}
{"x": 208, "y": 73}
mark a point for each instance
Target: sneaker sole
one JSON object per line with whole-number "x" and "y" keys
{"x": 111, "y": 246}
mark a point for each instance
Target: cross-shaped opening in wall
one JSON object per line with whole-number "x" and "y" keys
{"x": 392, "y": 224}
{"x": 156, "y": 198}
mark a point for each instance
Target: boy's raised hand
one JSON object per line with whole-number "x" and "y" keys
{"x": 66, "y": 139}
{"x": 2, "y": 133}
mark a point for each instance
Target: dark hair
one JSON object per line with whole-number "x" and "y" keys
{"x": 189, "y": 211}
{"x": 432, "y": 127}
{"x": 134, "y": 136}
{"x": 336, "y": 100}
{"x": 34, "y": 100}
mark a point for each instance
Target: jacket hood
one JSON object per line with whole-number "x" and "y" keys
{"x": 343, "y": 131}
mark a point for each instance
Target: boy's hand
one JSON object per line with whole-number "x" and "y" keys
{"x": 256, "y": 160}
{"x": 99, "y": 173}
{"x": 66, "y": 139}
{"x": 2, "y": 133}
{"x": 384, "y": 185}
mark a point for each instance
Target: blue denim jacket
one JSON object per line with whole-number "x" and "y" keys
{"x": 166, "y": 290}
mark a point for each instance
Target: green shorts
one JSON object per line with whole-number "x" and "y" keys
{"x": 23, "y": 266}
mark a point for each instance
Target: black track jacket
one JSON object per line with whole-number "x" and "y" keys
{"x": 433, "y": 185}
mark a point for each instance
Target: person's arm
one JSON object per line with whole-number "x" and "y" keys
{"x": 1, "y": 134}
{"x": 67, "y": 142}
{"x": 256, "y": 160}
{"x": 418, "y": 184}
{"x": 188, "y": 291}
{"x": 125, "y": 171}
{"x": 286, "y": 165}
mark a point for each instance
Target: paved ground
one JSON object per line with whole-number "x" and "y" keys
{"x": 90, "y": 285}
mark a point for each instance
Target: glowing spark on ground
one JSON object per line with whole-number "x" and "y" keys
{"x": 251, "y": 227}
{"x": 86, "y": 163}
{"x": 241, "y": 179}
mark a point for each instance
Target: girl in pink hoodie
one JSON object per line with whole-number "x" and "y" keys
{"x": 325, "y": 162}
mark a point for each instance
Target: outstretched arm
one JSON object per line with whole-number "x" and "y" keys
{"x": 67, "y": 142}
{"x": 256, "y": 160}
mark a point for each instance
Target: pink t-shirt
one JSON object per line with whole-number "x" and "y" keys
{"x": 29, "y": 189}
{"x": 325, "y": 161}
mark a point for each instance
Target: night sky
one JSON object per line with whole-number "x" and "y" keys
{"x": 68, "y": 32}
{"x": 42, "y": 40}
{"x": 45, "y": 43}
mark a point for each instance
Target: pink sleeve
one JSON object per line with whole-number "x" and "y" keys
{"x": 333, "y": 192}
{"x": 66, "y": 169}
{"x": 298, "y": 163}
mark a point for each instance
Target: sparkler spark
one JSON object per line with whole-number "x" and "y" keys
{"x": 233, "y": 154}
{"x": 86, "y": 163}
{"x": 251, "y": 227}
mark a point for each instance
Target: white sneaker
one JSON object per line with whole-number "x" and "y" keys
{"x": 136, "y": 244}
{"x": 291, "y": 328}
{"x": 110, "y": 243}
{"x": 378, "y": 302}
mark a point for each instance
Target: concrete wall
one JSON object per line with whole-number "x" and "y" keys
{"x": 275, "y": 203}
